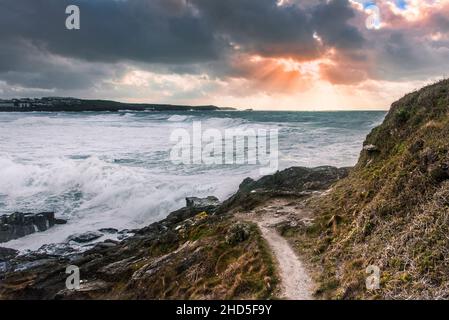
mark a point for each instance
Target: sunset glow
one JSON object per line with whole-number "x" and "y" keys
{"x": 265, "y": 54}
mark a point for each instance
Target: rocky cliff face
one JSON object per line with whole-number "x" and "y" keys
{"x": 393, "y": 209}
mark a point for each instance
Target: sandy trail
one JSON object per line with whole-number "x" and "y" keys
{"x": 295, "y": 281}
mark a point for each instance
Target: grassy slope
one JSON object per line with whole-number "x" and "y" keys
{"x": 208, "y": 267}
{"x": 393, "y": 209}
{"x": 195, "y": 262}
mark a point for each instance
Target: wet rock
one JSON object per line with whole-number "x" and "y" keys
{"x": 4, "y": 267}
{"x": 371, "y": 148}
{"x": 194, "y": 202}
{"x": 60, "y": 221}
{"x": 106, "y": 244}
{"x": 47, "y": 262}
{"x": 56, "y": 249}
{"x": 7, "y": 253}
{"x": 85, "y": 237}
{"x": 124, "y": 234}
{"x": 19, "y": 224}
{"x": 108, "y": 230}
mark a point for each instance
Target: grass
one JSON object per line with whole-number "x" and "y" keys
{"x": 207, "y": 267}
{"x": 393, "y": 209}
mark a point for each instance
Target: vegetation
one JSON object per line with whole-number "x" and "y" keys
{"x": 203, "y": 257}
{"x": 392, "y": 211}
{"x": 206, "y": 266}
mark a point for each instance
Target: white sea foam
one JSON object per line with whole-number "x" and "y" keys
{"x": 178, "y": 118}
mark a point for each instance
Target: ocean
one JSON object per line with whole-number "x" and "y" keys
{"x": 101, "y": 170}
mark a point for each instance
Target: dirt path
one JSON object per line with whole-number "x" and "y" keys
{"x": 295, "y": 282}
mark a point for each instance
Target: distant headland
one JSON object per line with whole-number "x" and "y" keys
{"x": 57, "y": 104}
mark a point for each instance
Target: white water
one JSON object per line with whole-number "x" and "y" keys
{"x": 113, "y": 169}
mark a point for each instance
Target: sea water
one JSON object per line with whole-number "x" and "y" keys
{"x": 101, "y": 170}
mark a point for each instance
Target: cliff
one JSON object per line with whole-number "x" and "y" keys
{"x": 392, "y": 211}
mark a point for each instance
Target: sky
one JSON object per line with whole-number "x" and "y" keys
{"x": 260, "y": 54}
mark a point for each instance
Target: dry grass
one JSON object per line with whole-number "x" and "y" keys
{"x": 206, "y": 267}
{"x": 392, "y": 211}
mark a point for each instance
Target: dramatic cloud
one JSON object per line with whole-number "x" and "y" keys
{"x": 266, "y": 53}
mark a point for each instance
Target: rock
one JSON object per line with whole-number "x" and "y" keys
{"x": 105, "y": 245}
{"x": 56, "y": 249}
{"x": 7, "y": 253}
{"x": 85, "y": 237}
{"x": 295, "y": 181}
{"x": 108, "y": 230}
{"x": 371, "y": 148}
{"x": 194, "y": 202}
{"x": 60, "y": 221}
{"x": 4, "y": 267}
{"x": 194, "y": 206}
{"x": 239, "y": 232}
{"x": 117, "y": 268}
{"x": 88, "y": 289}
{"x": 35, "y": 264}
{"x": 19, "y": 224}
{"x": 108, "y": 243}
{"x": 124, "y": 234}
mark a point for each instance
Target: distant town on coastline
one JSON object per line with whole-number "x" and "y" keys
{"x": 50, "y": 104}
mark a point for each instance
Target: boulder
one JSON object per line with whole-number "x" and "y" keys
{"x": 108, "y": 230}
{"x": 371, "y": 148}
{"x": 194, "y": 206}
{"x": 194, "y": 202}
{"x": 20, "y": 224}
{"x": 7, "y": 253}
{"x": 85, "y": 237}
{"x": 295, "y": 181}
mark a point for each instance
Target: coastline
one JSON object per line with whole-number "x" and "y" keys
{"x": 178, "y": 242}
{"x": 67, "y": 104}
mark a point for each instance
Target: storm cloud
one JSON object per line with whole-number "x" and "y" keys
{"x": 256, "y": 43}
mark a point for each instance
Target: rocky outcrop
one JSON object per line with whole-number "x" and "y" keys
{"x": 193, "y": 206}
{"x": 200, "y": 251}
{"x": 294, "y": 182}
{"x": 371, "y": 148}
{"x": 85, "y": 237}
{"x": 20, "y": 224}
{"x": 192, "y": 254}
{"x": 194, "y": 202}
{"x": 7, "y": 254}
